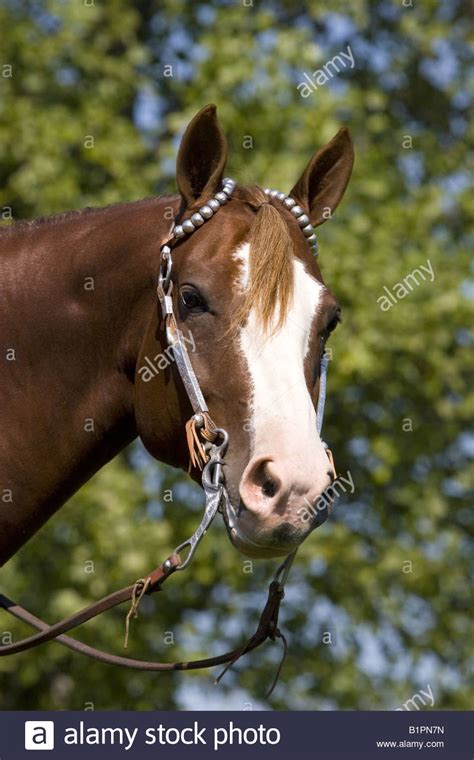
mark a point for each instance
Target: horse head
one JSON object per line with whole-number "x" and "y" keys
{"x": 251, "y": 304}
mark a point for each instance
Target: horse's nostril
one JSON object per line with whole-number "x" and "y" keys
{"x": 260, "y": 486}
{"x": 269, "y": 488}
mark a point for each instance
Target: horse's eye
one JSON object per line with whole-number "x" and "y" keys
{"x": 333, "y": 323}
{"x": 330, "y": 327}
{"x": 192, "y": 299}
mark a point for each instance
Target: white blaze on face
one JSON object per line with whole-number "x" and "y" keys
{"x": 283, "y": 415}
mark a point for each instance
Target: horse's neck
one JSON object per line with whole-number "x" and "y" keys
{"x": 79, "y": 294}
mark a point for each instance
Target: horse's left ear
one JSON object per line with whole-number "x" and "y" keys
{"x": 202, "y": 157}
{"x": 323, "y": 182}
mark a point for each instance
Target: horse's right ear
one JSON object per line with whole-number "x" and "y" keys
{"x": 323, "y": 182}
{"x": 202, "y": 157}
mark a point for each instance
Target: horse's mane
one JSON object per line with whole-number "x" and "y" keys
{"x": 270, "y": 285}
{"x": 64, "y": 216}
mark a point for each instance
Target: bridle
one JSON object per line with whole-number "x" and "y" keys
{"x": 207, "y": 444}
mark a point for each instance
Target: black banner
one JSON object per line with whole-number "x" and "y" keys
{"x": 286, "y": 735}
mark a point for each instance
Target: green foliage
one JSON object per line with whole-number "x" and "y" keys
{"x": 387, "y": 576}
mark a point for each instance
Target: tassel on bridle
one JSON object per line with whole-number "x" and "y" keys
{"x": 199, "y": 425}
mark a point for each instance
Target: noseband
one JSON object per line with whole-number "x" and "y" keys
{"x": 207, "y": 445}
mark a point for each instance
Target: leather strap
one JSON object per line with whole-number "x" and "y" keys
{"x": 266, "y": 629}
{"x": 48, "y": 632}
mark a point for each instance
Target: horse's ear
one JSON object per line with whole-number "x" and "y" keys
{"x": 202, "y": 157}
{"x": 323, "y": 182}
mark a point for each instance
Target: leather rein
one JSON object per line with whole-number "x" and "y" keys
{"x": 207, "y": 444}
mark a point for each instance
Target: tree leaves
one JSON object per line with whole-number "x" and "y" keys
{"x": 386, "y": 577}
